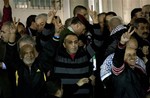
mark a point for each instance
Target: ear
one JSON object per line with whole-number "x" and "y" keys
{"x": 36, "y": 53}
{"x": 64, "y": 45}
{"x": 21, "y": 57}
{"x": 135, "y": 29}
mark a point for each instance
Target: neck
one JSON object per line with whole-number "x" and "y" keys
{"x": 32, "y": 27}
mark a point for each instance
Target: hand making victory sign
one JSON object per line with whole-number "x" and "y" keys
{"x": 126, "y": 36}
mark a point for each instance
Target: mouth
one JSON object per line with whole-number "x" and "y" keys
{"x": 146, "y": 33}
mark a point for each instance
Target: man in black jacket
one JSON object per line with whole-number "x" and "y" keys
{"x": 129, "y": 79}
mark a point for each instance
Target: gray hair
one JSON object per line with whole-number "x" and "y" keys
{"x": 42, "y": 15}
{"x": 26, "y": 39}
{"x": 115, "y": 21}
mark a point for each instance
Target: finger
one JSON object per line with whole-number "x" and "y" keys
{"x": 55, "y": 11}
{"x": 132, "y": 32}
{"x": 18, "y": 22}
{"x": 129, "y": 29}
{"x": 92, "y": 7}
{"x": 88, "y": 9}
{"x": 14, "y": 20}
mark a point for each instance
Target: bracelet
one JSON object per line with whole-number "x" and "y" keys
{"x": 11, "y": 42}
{"x": 56, "y": 37}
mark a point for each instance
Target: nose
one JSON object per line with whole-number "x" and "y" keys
{"x": 29, "y": 54}
{"x": 133, "y": 57}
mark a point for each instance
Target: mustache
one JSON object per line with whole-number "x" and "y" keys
{"x": 145, "y": 32}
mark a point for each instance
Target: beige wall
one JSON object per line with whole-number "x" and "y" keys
{"x": 121, "y": 7}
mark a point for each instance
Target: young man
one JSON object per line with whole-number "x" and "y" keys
{"x": 129, "y": 79}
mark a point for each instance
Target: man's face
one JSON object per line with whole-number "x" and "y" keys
{"x": 101, "y": 20}
{"x": 71, "y": 44}
{"x": 27, "y": 54}
{"x": 146, "y": 11}
{"x": 83, "y": 12}
{"x": 139, "y": 14}
{"x": 40, "y": 24}
{"x": 130, "y": 56}
{"x": 142, "y": 30}
{"x": 5, "y": 33}
{"x": 80, "y": 29}
{"x": 145, "y": 50}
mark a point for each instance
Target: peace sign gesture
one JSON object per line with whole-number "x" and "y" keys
{"x": 14, "y": 25}
{"x": 126, "y": 36}
{"x": 51, "y": 15}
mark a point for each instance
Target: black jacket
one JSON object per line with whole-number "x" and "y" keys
{"x": 128, "y": 83}
{"x": 27, "y": 83}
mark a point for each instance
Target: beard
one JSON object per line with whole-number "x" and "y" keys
{"x": 28, "y": 61}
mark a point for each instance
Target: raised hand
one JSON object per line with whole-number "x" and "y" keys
{"x": 58, "y": 26}
{"x": 13, "y": 27}
{"x": 93, "y": 15}
{"x": 51, "y": 15}
{"x": 126, "y": 36}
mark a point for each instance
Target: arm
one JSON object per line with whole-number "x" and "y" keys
{"x": 118, "y": 60}
{"x": 77, "y": 85}
{"x": 7, "y": 13}
{"x": 11, "y": 48}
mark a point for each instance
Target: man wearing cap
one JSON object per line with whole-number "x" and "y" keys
{"x": 78, "y": 25}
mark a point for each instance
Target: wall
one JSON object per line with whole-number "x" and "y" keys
{"x": 121, "y": 7}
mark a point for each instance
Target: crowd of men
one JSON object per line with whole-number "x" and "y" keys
{"x": 47, "y": 59}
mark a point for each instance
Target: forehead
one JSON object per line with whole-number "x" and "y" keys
{"x": 130, "y": 51}
{"x": 27, "y": 48}
{"x": 21, "y": 44}
{"x": 132, "y": 44}
{"x": 143, "y": 25}
{"x": 102, "y": 16}
{"x": 108, "y": 17}
{"x": 82, "y": 12}
{"x": 40, "y": 20}
{"x": 71, "y": 37}
{"x": 146, "y": 8}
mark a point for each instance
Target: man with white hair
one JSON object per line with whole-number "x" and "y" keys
{"x": 117, "y": 28}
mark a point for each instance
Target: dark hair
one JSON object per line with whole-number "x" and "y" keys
{"x": 20, "y": 23}
{"x": 103, "y": 13}
{"x": 75, "y": 20}
{"x": 52, "y": 85}
{"x": 63, "y": 36}
{"x": 68, "y": 22}
{"x": 78, "y": 8}
{"x": 30, "y": 19}
{"x": 140, "y": 20}
{"x": 111, "y": 13}
{"x": 134, "y": 11}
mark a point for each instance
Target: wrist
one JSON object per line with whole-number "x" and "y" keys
{"x": 121, "y": 46}
{"x": 121, "y": 42}
{"x": 11, "y": 43}
{"x": 56, "y": 37}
